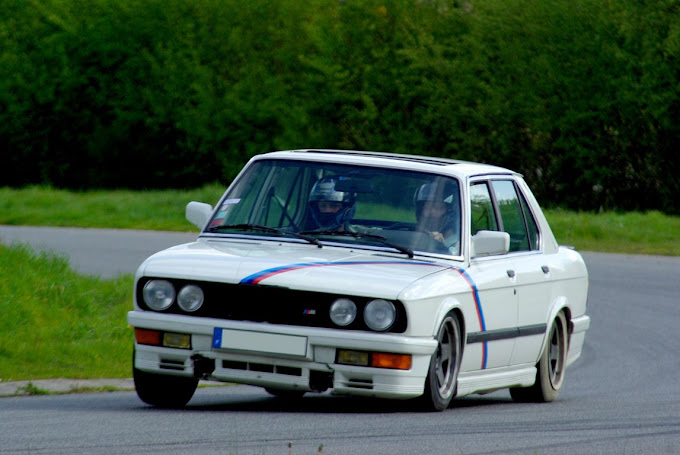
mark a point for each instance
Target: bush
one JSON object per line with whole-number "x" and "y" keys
{"x": 580, "y": 96}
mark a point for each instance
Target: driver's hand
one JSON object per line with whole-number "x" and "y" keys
{"x": 438, "y": 236}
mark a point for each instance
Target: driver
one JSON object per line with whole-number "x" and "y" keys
{"x": 331, "y": 210}
{"x": 437, "y": 212}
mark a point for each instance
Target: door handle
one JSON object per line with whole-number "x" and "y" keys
{"x": 511, "y": 273}
{"x": 545, "y": 269}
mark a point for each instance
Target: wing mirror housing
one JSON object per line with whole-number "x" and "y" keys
{"x": 489, "y": 243}
{"x": 198, "y": 213}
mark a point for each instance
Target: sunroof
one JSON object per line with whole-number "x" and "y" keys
{"x": 395, "y": 156}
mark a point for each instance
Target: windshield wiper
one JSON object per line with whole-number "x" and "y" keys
{"x": 359, "y": 235}
{"x": 258, "y": 227}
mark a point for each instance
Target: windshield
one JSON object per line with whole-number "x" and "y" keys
{"x": 359, "y": 205}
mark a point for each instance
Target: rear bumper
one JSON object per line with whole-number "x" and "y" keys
{"x": 283, "y": 357}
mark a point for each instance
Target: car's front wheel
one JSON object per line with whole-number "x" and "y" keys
{"x": 442, "y": 377}
{"x": 163, "y": 391}
{"x": 551, "y": 366}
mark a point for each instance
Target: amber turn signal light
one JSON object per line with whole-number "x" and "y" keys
{"x": 393, "y": 361}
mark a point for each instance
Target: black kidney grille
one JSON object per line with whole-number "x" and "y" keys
{"x": 271, "y": 304}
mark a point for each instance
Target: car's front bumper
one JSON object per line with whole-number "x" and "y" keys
{"x": 282, "y": 357}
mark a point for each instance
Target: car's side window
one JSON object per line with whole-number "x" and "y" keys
{"x": 482, "y": 212}
{"x": 515, "y": 216}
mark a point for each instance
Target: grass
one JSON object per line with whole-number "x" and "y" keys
{"x": 56, "y": 323}
{"x": 31, "y": 389}
{"x": 632, "y": 232}
{"x": 122, "y": 209}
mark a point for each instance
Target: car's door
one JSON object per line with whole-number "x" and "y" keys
{"x": 491, "y": 336}
{"x": 530, "y": 266}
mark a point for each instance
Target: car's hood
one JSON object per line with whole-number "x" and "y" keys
{"x": 291, "y": 265}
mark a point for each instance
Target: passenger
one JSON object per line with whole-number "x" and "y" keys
{"x": 438, "y": 213}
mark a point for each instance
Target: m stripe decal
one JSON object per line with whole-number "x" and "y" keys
{"x": 480, "y": 312}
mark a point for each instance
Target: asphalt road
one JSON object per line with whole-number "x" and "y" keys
{"x": 621, "y": 397}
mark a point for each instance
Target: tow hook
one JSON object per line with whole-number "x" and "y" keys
{"x": 320, "y": 381}
{"x": 203, "y": 367}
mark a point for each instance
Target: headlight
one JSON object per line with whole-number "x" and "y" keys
{"x": 343, "y": 312}
{"x": 379, "y": 314}
{"x": 190, "y": 298}
{"x": 159, "y": 294}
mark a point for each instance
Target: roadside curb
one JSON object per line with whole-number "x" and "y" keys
{"x": 61, "y": 386}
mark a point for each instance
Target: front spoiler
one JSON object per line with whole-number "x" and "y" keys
{"x": 301, "y": 371}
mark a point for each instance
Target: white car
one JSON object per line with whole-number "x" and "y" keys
{"x": 363, "y": 273}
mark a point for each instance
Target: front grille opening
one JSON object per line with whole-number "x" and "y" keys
{"x": 261, "y": 368}
{"x": 289, "y": 371}
{"x": 233, "y": 365}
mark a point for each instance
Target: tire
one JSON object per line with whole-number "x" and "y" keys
{"x": 550, "y": 368}
{"x": 285, "y": 393}
{"x": 163, "y": 391}
{"x": 442, "y": 377}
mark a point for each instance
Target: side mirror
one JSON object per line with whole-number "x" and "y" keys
{"x": 198, "y": 213}
{"x": 488, "y": 243}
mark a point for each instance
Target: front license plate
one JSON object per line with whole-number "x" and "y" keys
{"x": 270, "y": 343}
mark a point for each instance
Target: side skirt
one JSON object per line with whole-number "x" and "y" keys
{"x": 489, "y": 380}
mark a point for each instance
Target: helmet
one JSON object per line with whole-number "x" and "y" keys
{"x": 324, "y": 190}
{"x": 437, "y": 191}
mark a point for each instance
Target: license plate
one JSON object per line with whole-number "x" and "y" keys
{"x": 269, "y": 343}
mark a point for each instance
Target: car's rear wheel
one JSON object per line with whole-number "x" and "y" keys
{"x": 551, "y": 366}
{"x": 442, "y": 377}
{"x": 163, "y": 391}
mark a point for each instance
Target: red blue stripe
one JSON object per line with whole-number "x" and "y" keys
{"x": 480, "y": 312}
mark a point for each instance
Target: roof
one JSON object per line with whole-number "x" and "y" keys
{"x": 422, "y": 162}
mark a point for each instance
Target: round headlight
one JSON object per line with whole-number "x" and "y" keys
{"x": 379, "y": 314}
{"x": 159, "y": 294}
{"x": 343, "y": 312}
{"x": 190, "y": 298}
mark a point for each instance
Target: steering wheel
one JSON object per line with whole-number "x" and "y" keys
{"x": 399, "y": 226}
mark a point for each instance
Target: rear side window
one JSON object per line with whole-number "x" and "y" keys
{"x": 515, "y": 216}
{"x": 532, "y": 227}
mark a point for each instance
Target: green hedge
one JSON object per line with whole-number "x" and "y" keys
{"x": 581, "y": 96}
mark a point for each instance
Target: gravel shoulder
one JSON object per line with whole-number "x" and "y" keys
{"x": 62, "y": 385}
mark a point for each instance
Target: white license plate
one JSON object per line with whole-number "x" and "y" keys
{"x": 270, "y": 343}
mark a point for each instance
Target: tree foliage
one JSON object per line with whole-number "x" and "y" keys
{"x": 581, "y": 96}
